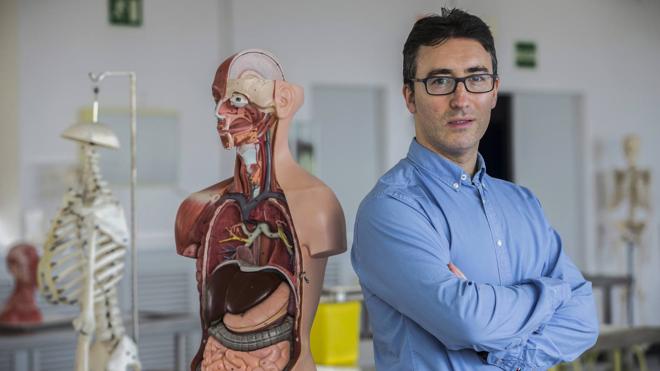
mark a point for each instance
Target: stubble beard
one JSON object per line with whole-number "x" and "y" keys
{"x": 454, "y": 144}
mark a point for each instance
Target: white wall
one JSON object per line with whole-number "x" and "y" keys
{"x": 337, "y": 42}
{"x": 174, "y": 53}
{"x": 9, "y": 170}
{"x": 606, "y": 51}
{"x": 600, "y": 49}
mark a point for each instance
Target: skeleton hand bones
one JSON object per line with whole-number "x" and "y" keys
{"x": 85, "y": 323}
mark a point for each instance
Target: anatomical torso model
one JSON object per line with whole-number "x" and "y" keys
{"x": 21, "y": 307}
{"x": 260, "y": 238}
{"x": 83, "y": 260}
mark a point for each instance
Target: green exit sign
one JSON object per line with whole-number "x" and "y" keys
{"x": 526, "y": 54}
{"x": 125, "y": 12}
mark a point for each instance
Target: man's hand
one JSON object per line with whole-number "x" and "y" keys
{"x": 457, "y": 272}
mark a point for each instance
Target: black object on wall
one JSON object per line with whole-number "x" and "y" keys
{"x": 497, "y": 144}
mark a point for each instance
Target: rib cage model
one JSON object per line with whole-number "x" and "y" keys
{"x": 82, "y": 263}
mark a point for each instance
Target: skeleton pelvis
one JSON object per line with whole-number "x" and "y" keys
{"x": 118, "y": 355}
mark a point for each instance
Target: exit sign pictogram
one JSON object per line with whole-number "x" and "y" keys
{"x": 125, "y": 12}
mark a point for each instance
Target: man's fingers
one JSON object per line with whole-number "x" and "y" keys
{"x": 457, "y": 272}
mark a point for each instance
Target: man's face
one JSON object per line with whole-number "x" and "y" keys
{"x": 453, "y": 124}
{"x": 240, "y": 119}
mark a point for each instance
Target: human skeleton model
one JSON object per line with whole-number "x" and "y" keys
{"x": 260, "y": 238}
{"x": 83, "y": 259}
{"x": 632, "y": 192}
{"x": 632, "y": 186}
{"x": 21, "y": 307}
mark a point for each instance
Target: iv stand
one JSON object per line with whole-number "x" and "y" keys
{"x": 97, "y": 78}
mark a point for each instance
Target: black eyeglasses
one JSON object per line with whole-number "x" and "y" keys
{"x": 445, "y": 85}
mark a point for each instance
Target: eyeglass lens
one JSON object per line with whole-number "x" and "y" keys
{"x": 480, "y": 83}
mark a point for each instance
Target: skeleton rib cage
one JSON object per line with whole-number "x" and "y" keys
{"x": 90, "y": 223}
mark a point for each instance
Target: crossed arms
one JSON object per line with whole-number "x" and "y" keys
{"x": 535, "y": 323}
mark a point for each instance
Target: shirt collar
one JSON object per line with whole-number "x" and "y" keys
{"x": 442, "y": 168}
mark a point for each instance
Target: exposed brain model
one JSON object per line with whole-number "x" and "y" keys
{"x": 83, "y": 259}
{"x": 260, "y": 238}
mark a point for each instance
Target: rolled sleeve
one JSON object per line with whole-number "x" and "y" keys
{"x": 571, "y": 330}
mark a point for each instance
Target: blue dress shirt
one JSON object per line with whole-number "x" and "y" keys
{"x": 524, "y": 304}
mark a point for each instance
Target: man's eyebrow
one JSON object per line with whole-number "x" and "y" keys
{"x": 449, "y": 71}
{"x": 439, "y": 71}
{"x": 477, "y": 69}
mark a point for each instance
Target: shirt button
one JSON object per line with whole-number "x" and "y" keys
{"x": 464, "y": 177}
{"x": 483, "y": 200}
{"x": 499, "y": 243}
{"x": 455, "y": 185}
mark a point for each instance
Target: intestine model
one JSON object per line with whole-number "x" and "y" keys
{"x": 21, "y": 307}
{"x": 83, "y": 258}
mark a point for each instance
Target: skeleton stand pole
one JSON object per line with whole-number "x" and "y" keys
{"x": 85, "y": 323}
{"x": 97, "y": 78}
{"x": 630, "y": 295}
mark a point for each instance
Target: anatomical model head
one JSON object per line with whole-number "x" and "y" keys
{"x": 21, "y": 307}
{"x": 244, "y": 90}
{"x": 22, "y": 262}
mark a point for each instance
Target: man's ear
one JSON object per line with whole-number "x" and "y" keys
{"x": 288, "y": 98}
{"x": 409, "y": 97}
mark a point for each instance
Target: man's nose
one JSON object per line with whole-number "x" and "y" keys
{"x": 460, "y": 96}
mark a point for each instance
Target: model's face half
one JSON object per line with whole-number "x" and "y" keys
{"x": 18, "y": 267}
{"x": 245, "y": 110}
{"x": 452, "y": 124}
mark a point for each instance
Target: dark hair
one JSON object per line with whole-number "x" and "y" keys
{"x": 435, "y": 29}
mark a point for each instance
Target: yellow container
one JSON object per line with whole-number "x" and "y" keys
{"x": 335, "y": 336}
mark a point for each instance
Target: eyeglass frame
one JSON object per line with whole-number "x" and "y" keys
{"x": 457, "y": 80}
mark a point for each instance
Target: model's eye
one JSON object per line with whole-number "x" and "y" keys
{"x": 238, "y": 100}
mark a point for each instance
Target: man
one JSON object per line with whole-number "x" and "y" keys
{"x": 461, "y": 271}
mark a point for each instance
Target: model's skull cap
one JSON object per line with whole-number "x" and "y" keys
{"x": 260, "y": 61}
